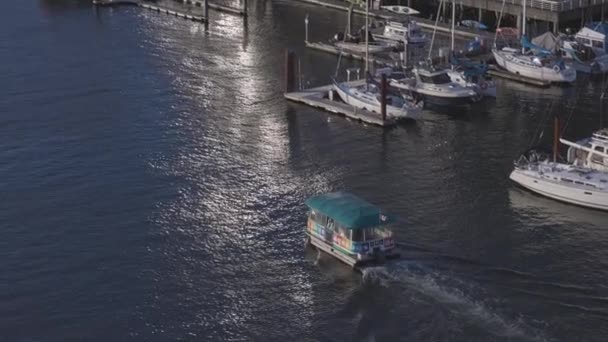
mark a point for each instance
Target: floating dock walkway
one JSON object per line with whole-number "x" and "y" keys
{"x": 154, "y": 7}
{"x": 384, "y": 15}
{"x": 186, "y": 13}
{"x": 324, "y": 98}
{"x": 329, "y": 48}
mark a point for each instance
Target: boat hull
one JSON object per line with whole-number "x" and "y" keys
{"x": 412, "y": 113}
{"x": 511, "y": 62}
{"x": 570, "y": 194}
{"x": 350, "y": 260}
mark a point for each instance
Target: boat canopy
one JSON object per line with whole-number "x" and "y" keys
{"x": 348, "y": 210}
{"x": 547, "y": 41}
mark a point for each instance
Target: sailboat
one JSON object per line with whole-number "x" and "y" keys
{"x": 525, "y": 63}
{"x": 434, "y": 84}
{"x": 582, "y": 180}
{"x": 368, "y": 96}
{"x": 467, "y": 74}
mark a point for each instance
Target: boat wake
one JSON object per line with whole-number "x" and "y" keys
{"x": 445, "y": 292}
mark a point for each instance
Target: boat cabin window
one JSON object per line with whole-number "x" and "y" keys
{"x": 370, "y": 234}
{"x": 598, "y": 44}
{"x": 585, "y": 41}
{"x": 357, "y": 235}
{"x": 437, "y": 79}
{"x": 595, "y": 158}
{"x": 318, "y": 218}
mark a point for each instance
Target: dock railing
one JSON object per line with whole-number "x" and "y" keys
{"x": 557, "y": 5}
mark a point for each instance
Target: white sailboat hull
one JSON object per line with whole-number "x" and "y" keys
{"x": 407, "y": 112}
{"x": 574, "y": 194}
{"x": 521, "y": 65}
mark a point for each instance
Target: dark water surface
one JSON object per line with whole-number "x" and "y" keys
{"x": 153, "y": 181}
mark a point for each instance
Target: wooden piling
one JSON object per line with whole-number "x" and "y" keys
{"x": 383, "y": 91}
{"x": 245, "y": 8}
{"x": 289, "y": 71}
{"x": 206, "y": 12}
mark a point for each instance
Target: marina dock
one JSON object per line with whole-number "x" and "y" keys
{"x": 323, "y": 98}
{"x": 193, "y": 10}
{"x": 426, "y": 24}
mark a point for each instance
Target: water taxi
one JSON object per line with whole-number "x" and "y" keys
{"x": 350, "y": 229}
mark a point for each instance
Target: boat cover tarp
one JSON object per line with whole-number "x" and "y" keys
{"x": 547, "y": 41}
{"x": 525, "y": 42}
{"x": 470, "y": 68}
{"x": 348, "y": 210}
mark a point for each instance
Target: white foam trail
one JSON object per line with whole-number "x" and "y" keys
{"x": 427, "y": 282}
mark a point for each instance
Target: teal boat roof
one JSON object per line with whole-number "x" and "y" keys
{"x": 348, "y": 210}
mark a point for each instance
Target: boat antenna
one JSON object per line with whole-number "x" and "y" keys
{"x": 499, "y": 21}
{"x": 435, "y": 28}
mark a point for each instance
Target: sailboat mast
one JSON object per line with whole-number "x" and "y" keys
{"x": 453, "y": 21}
{"x": 366, "y": 37}
{"x": 523, "y": 25}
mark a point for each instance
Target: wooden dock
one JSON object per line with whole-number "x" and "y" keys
{"x": 220, "y": 8}
{"x": 321, "y": 98}
{"x": 329, "y": 48}
{"x": 154, "y": 7}
{"x": 496, "y": 72}
{"x": 426, "y": 24}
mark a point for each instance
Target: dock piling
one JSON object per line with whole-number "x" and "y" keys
{"x": 206, "y": 12}
{"x": 289, "y": 71}
{"x": 245, "y": 8}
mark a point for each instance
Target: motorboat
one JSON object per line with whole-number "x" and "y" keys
{"x": 350, "y": 229}
{"x": 473, "y": 24}
{"x": 395, "y": 31}
{"x": 435, "y": 87}
{"x": 482, "y": 84}
{"x": 367, "y": 96}
{"x": 404, "y": 10}
{"x": 582, "y": 179}
{"x": 473, "y": 76}
{"x": 594, "y": 35}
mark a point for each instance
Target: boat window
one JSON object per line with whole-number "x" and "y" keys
{"x": 357, "y": 235}
{"x": 598, "y": 44}
{"x": 603, "y": 181}
{"x": 320, "y": 219}
{"x": 437, "y": 79}
{"x": 586, "y": 41}
{"x": 578, "y": 182}
{"x": 313, "y": 215}
{"x": 330, "y": 224}
{"x": 599, "y": 148}
{"x": 567, "y": 180}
